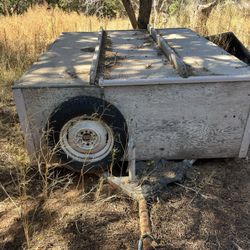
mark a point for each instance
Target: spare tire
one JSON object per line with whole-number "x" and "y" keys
{"x": 87, "y": 132}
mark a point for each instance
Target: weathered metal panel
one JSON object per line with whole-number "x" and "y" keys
{"x": 184, "y": 121}
{"x": 40, "y": 103}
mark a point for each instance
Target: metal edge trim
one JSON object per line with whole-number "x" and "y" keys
{"x": 173, "y": 80}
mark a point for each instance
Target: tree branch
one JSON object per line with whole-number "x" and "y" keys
{"x": 130, "y": 11}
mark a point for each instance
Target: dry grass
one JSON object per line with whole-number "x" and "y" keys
{"x": 230, "y": 18}
{"x": 223, "y": 18}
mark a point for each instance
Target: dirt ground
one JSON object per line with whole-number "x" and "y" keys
{"x": 209, "y": 210}
{"x": 70, "y": 218}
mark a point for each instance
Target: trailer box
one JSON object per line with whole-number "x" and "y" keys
{"x": 173, "y": 93}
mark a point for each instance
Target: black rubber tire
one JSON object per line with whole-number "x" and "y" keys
{"x": 87, "y": 105}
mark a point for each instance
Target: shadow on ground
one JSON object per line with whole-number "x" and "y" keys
{"x": 209, "y": 210}
{"x": 97, "y": 218}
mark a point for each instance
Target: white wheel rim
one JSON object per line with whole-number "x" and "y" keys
{"x": 86, "y": 140}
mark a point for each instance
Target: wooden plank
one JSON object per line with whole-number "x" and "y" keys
{"x": 96, "y": 58}
{"x": 175, "y": 60}
{"x": 130, "y": 11}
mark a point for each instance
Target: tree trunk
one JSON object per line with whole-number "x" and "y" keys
{"x": 5, "y": 8}
{"x": 130, "y": 11}
{"x": 144, "y": 13}
{"x": 201, "y": 15}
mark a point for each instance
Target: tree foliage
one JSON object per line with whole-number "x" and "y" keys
{"x": 107, "y": 8}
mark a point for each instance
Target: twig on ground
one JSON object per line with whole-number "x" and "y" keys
{"x": 108, "y": 198}
{"x": 13, "y": 202}
{"x": 77, "y": 228}
{"x": 237, "y": 246}
{"x": 192, "y": 189}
